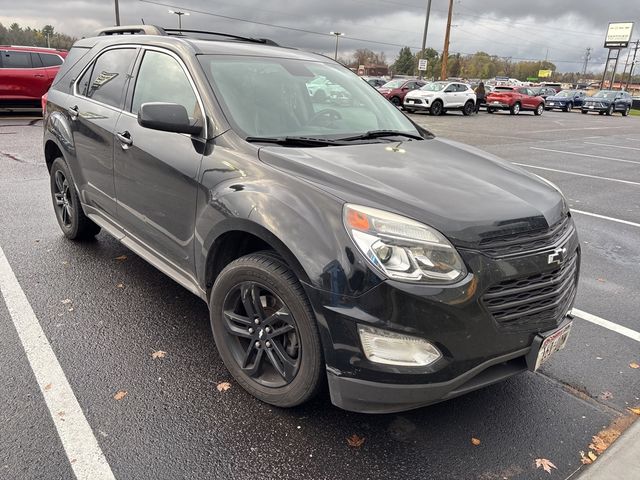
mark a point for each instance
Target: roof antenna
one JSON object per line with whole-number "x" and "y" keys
{"x": 143, "y": 21}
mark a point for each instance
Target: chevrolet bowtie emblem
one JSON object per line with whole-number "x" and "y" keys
{"x": 558, "y": 256}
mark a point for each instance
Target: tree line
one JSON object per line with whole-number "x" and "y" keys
{"x": 33, "y": 37}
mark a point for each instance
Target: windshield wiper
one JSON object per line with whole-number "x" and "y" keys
{"x": 293, "y": 141}
{"x": 381, "y": 133}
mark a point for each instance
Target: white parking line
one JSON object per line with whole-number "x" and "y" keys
{"x": 82, "y": 449}
{"x": 618, "y": 220}
{"x": 612, "y": 146}
{"x": 567, "y": 129}
{"x": 578, "y": 174}
{"x": 614, "y": 327}
{"x": 585, "y": 155}
{"x": 633, "y": 139}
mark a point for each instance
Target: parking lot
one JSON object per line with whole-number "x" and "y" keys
{"x": 105, "y": 312}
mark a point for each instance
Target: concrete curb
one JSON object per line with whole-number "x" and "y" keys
{"x": 621, "y": 461}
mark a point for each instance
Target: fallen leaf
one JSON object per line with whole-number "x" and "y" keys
{"x": 66, "y": 301}
{"x": 120, "y": 285}
{"x": 634, "y": 365}
{"x": 598, "y": 444}
{"x": 601, "y": 280}
{"x": 223, "y": 386}
{"x": 158, "y": 354}
{"x": 545, "y": 464}
{"x": 592, "y": 456}
{"x": 635, "y": 410}
{"x": 73, "y": 460}
{"x": 606, "y": 395}
{"x": 475, "y": 441}
{"x": 61, "y": 413}
{"x": 355, "y": 441}
{"x": 48, "y": 386}
{"x": 584, "y": 459}
{"x": 121, "y": 258}
{"x": 120, "y": 394}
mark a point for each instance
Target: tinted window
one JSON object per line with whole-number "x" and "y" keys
{"x": 49, "y": 60}
{"x": 35, "y": 61}
{"x": 108, "y": 76}
{"x": 16, "y": 59}
{"x": 162, "y": 79}
{"x": 461, "y": 87}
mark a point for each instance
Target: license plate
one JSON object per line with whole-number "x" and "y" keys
{"x": 590, "y": 107}
{"x": 551, "y": 103}
{"x": 551, "y": 344}
{"x": 495, "y": 101}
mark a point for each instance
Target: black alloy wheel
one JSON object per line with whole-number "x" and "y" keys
{"x": 62, "y": 198}
{"x": 436, "y": 108}
{"x": 468, "y": 108}
{"x": 265, "y": 330}
{"x": 610, "y": 110}
{"x": 396, "y": 101}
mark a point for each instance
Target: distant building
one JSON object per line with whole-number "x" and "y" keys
{"x": 371, "y": 70}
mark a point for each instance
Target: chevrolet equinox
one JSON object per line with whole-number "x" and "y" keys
{"x": 335, "y": 241}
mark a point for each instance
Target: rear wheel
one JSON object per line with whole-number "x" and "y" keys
{"x": 468, "y": 108}
{"x": 569, "y": 107}
{"x": 490, "y": 110}
{"x": 265, "y": 330}
{"x": 73, "y": 222}
{"x": 515, "y": 109}
{"x": 395, "y": 101}
{"x": 625, "y": 112}
{"x": 436, "y": 108}
{"x": 539, "y": 109}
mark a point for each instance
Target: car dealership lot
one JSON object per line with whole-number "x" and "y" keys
{"x": 104, "y": 316}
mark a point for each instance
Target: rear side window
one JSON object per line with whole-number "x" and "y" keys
{"x": 16, "y": 59}
{"x": 108, "y": 76}
{"x": 162, "y": 79}
{"x": 50, "y": 60}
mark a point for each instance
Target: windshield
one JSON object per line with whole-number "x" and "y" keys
{"x": 279, "y": 97}
{"x": 394, "y": 84}
{"x": 565, "y": 93}
{"x": 434, "y": 86}
{"x": 605, "y": 94}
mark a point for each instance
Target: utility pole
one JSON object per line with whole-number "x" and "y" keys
{"x": 338, "y": 35}
{"x": 633, "y": 62}
{"x": 424, "y": 34}
{"x": 445, "y": 50}
{"x": 587, "y": 57}
{"x": 179, "y": 14}
{"x": 117, "y": 14}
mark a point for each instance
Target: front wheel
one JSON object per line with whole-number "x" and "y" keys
{"x": 436, "y": 108}
{"x": 539, "y": 109}
{"x": 396, "y": 101}
{"x": 569, "y": 107}
{"x": 610, "y": 110}
{"x": 625, "y": 112}
{"x": 515, "y": 109}
{"x": 584, "y": 112}
{"x": 490, "y": 110}
{"x": 468, "y": 108}
{"x": 265, "y": 330}
{"x": 73, "y": 222}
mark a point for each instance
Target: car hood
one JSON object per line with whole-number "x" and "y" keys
{"x": 467, "y": 194}
{"x": 597, "y": 99}
{"x": 559, "y": 99}
{"x": 420, "y": 94}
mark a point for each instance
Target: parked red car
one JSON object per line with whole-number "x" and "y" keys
{"x": 26, "y": 73}
{"x": 396, "y": 89}
{"x": 514, "y": 99}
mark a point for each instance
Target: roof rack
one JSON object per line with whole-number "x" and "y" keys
{"x": 180, "y": 32}
{"x": 131, "y": 30}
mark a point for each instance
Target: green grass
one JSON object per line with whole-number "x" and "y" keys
{"x": 634, "y": 112}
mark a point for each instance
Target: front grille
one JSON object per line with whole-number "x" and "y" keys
{"x": 534, "y": 303}
{"x": 515, "y": 244}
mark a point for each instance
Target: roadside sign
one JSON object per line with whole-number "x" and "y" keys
{"x": 544, "y": 73}
{"x": 532, "y": 79}
{"x": 422, "y": 65}
{"x": 618, "y": 35}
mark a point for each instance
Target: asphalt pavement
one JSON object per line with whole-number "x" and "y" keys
{"x": 104, "y": 312}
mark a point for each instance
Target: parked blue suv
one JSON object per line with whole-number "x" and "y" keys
{"x": 566, "y": 100}
{"x": 608, "y": 101}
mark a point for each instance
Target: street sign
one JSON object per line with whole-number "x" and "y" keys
{"x": 422, "y": 65}
{"x": 618, "y": 35}
{"x": 544, "y": 73}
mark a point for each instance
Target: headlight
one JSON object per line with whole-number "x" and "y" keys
{"x": 401, "y": 248}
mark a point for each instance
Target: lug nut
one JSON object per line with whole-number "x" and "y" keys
{"x": 257, "y": 344}
{"x": 256, "y": 321}
{"x": 251, "y": 330}
{"x": 268, "y": 344}
{"x": 268, "y": 330}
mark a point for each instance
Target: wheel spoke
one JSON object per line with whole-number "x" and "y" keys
{"x": 230, "y": 319}
{"x": 283, "y": 315}
{"x": 59, "y": 181}
{"x": 250, "y": 295}
{"x": 65, "y": 215}
{"x": 58, "y": 197}
{"x": 282, "y": 330}
{"x": 283, "y": 364}
{"x": 252, "y": 368}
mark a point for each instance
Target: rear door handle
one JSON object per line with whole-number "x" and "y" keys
{"x": 73, "y": 112}
{"x": 39, "y": 75}
{"x": 125, "y": 139}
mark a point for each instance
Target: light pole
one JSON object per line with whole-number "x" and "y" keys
{"x": 117, "y": 13}
{"x": 179, "y": 14}
{"x": 424, "y": 34}
{"x": 338, "y": 35}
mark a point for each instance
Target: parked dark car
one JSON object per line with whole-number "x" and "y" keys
{"x": 543, "y": 92}
{"x": 566, "y": 100}
{"x": 26, "y": 74}
{"x": 608, "y": 102}
{"x": 375, "y": 81}
{"x": 395, "y": 90}
{"x": 514, "y": 99}
{"x": 342, "y": 245}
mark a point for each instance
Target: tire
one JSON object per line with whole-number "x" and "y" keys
{"x": 626, "y": 110}
{"x": 610, "y": 110}
{"x": 396, "y": 101}
{"x": 569, "y": 107}
{"x": 436, "y": 108}
{"x": 276, "y": 289}
{"x": 584, "y": 112}
{"x": 515, "y": 108}
{"x": 601, "y": 113}
{"x": 490, "y": 110}
{"x": 468, "y": 108}
{"x": 539, "y": 109}
{"x": 73, "y": 222}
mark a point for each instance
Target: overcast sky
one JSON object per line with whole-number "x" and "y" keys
{"x": 517, "y": 29}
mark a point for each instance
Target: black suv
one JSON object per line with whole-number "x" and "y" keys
{"x": 338, "y": 244}
{"x": 608, "y": 102}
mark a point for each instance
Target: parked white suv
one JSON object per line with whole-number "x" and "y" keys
{"x": 438, "y": 97}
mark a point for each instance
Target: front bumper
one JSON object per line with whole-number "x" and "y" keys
{"x": 596, "y": 108}
{"x": 417, "y": 103}
{"x": 481, "y": 340}
{"x": 552, "y": 105}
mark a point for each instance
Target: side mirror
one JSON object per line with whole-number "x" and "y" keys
{"x": 167, "y": 117}
{"x": 404, "y": 89}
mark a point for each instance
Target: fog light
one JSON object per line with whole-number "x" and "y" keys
{"x": 382, "y": 346}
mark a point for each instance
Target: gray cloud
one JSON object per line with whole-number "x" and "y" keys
{"x": 522, "y": 30}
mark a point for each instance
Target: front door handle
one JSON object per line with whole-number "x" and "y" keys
{"x": 125, "y": 139}
{"x": 39, "y": 75}
{"x": 73, "y": 112}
